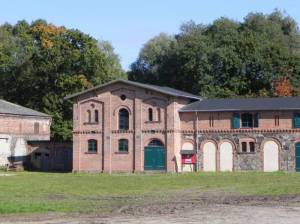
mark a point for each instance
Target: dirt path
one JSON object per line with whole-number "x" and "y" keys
{"x": 193, "y": 207}
{"x": 225, "y": 214}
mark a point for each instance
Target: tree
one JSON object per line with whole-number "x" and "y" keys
{"x": 145, "y": 69}
{"x": 42, "y": 63}
{"x": 283, "y": 87}
{"x": 113, "y": 67}
{"x": 226, "y": 58}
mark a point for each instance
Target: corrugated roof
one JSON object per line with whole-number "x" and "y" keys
{"x": 162, "y": 89}
{"x": 11, "y": 108}
{"x": 244, "y": 104}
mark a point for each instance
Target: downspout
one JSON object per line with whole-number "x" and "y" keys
{"x": 134, "y": 136}
{"x": 197, "y": 142}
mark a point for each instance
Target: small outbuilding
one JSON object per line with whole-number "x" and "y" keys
{"x": 18, "y": 125}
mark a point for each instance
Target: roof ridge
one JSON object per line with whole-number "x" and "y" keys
{"x": 141, "y": 85}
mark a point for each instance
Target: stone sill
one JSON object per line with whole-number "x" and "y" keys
{"x": 90, "y": 123}
{"x": 152, "y": 122}
{"x": 91, "y": 153}
{"x": 246, "y": 153}
{"x": 122, "y": 153}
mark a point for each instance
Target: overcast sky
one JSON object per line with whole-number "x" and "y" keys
{"x": 128, "y": 24}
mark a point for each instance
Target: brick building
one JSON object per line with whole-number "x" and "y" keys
{"x": 129, "y": 126}
{"x": 18, "y": 125}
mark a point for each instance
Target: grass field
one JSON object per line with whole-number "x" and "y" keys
{"x": 81, "y": 192}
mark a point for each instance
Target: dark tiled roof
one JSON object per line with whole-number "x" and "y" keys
{"x": 161, "y": 89}
{"x": 245, "y": 104}
{"x": 10, "y": 108}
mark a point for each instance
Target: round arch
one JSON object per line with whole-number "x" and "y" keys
{"x": 117, "y": 109}
{"x": 226, "y": 154}
{"x": 155, "y": 140}
{"x": 209, "y": 155}
{"x": 271, "y": 148}
{"x": 187, "y": 145}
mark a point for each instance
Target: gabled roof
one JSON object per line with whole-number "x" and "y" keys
{"x": 161, "y": 89}
{"x": 244, "y": 104}
{"x": 14, "y": 109}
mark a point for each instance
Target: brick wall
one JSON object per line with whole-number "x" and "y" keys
{"x": 141, "y": 131}
{"x": 15, "y": 131}
{"x": 169, "y": 126}
{"x": 24, "y": 126}
{"x": 222, "y": 120}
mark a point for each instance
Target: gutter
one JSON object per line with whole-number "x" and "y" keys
{"x": 26, "y": 115}
{"x": 234, "y": 110}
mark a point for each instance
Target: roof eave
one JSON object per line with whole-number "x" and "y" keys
{"x": 232, "y": 110}
{"x": 27, "y": 115}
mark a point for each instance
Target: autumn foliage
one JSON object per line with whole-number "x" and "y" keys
{"x": 283, "y": 87}
{"x": 47, "y": 32}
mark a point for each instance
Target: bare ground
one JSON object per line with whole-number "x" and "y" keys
{"x": 185, "y": 207}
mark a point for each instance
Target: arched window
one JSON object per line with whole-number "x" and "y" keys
{"x": 123, "y": 145}
{"x": 89, "y": 118}
{"x": 158, "y": 114}
{"x": 187, "y": 146}
{"x": 155, "y": 142}
{"x": 150, "y": 114}
{"x": 92, "y": 146}
{"x": 96, "y": 116}
{"x": 123, "y": 119}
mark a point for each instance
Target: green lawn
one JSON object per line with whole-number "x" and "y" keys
{"x": 71, "y": 192}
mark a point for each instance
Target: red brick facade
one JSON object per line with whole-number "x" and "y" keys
{"x": 165, "y": 127}
{"x": 34, "y": 128}
{"x": 171, "y": 127}
{"x": 15, "y": 131}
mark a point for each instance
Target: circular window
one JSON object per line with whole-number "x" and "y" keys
{"x": 123, "y": 97}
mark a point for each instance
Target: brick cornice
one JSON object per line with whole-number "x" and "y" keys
{"x": 121, "y": 131}
{"x": 243, "y": 131}
{"x": 87, "y": 132}
{"x": 203, "y": 131}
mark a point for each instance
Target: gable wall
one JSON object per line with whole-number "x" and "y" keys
{"x": 140, "y": 133}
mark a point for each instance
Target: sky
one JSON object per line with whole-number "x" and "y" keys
{"x": 129, "y": 24}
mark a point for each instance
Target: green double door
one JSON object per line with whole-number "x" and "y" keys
{"x": 154, "y": 158}
{"x": 297, "y": 156}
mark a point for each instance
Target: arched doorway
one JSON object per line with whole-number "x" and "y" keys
{"x": 209, "y": 156}
{"x": 155, "y": 156}
{"x": 226, "y": 156}
{"x": 271, "y": 156}
{"x": 297, "y": 156}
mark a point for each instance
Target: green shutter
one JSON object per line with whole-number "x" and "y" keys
{"x": 297, "y": 155}
{"x": 256, "y": 119}
{"x": 235, "y": 122}
{"x": 296, "y": 120}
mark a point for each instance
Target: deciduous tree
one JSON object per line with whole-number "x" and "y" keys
{"x": 41, "y": 63}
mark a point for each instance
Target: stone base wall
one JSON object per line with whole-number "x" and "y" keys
{"x": 250, "y": 161}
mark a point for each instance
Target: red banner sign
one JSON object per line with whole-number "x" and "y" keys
{"x": 188, "y": 159}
